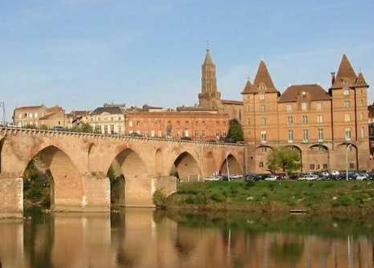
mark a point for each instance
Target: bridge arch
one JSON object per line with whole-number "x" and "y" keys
{"x": 297, "y": 149}
{"x": 129, "y": 179}
{"x": 232, "y": 164}
{"x": 185, "y": 167}
{"x": 67, "y": 186}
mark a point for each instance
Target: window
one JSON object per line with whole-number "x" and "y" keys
{"x": 348, "y": 134}
{"x": 186, "y": 133}
{"x": 111, "y": 129}
{"x": 36, "y": 115}
{"x": 347, "y": 117}
{"x": 196, "y": 133}
{"x": 362, "y": 132}
{"x": 261, "y": 164}
{"x": 31, "y": 115}
{"x": 119, "y": 118}
{"x": 160, "y": 133}
{"x": 130, "y": 123}
{"x": 320, "y": 134}
{"x": 346, "y": 92}
{"x": 290, "y": 120}
{"x": 120, "y": 129}
{"x": 290, "y": 135}
{"x": 347, "y": 104}
{"x": 105, "y": 129}
{"x": 319, "y": 119}
{"x": 319, "y": 106}
{"x": 305, "y": 135}
{"x": 289, "y": 108}
{"x": 362, "y": 102}
{"x": 311, "y": 166}
{"x": 138, "y": 123}
{"x": 304, "y": 106}
{"x": 262, "y": 96}
{"x": 248, "y": 121}
{"x": 263, "y": 121}
{"x": 218, "y": 134}
{"x": 152, "y": 133}
{"x": 351, "y": 165}
{"x": 263, "y": 136}
{"x": 305, "y": 119}
{"x": 361, "y": 116}
{"x": 262, "y": 108}
{"x": 264, "y": 149}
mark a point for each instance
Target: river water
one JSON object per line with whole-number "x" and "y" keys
{"x": 144, "y": 238}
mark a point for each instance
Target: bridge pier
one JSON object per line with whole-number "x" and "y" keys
{"x": 11, "y": 197}
{"x": 96, "y": 196}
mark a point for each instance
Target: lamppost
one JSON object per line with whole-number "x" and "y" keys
{"x": 346, "y": 160}
{"x": 227, "y": 167}
{"x": 2, "y": 105}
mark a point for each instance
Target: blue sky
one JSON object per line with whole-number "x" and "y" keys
{"x": 82, "y": 53}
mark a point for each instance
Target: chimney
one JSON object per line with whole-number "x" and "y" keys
{"x": 332, "y": 78}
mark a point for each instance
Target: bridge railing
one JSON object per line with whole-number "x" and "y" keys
{"x": 114, "y": 136}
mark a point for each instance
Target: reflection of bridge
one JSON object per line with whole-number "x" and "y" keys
{"x": 79, "y": 163}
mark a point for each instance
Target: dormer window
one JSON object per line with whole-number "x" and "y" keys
{"x": 303, "y": 93}
{"x": 262, "y": 96}
{"x": 346, "y": 92}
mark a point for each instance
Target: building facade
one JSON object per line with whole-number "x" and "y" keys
{"x": 39, "y": 116}
{"x": 323, "y": 127}
{"x": 109, "y": 119}
{"x": 188, "y": 124}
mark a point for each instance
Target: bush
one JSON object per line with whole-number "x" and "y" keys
{"x": 159, "y": 199}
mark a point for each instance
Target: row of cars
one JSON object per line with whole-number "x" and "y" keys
{"x": 314, "y": 176}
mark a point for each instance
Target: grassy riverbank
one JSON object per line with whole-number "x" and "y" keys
{"x": 335, "y": 197}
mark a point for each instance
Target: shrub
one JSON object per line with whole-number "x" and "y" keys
{"x": 159, "y": 199}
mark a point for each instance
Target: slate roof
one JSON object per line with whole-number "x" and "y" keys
{"x": 110, "y": 110}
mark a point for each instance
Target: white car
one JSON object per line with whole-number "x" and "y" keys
{"x": 271, "y": 178}
{"x": 213, "y": 178}
{"x": 309, "y": 177}
{"x": 361, "y": 177}
{"x": 335, "y": 173}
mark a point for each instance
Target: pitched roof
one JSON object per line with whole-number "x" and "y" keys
{"x": 316, "y": 92}
{"x": 30, "y": 107}
{"x": 248, "y": 88}
{"x": 110, "y": 110}
{"x": 208, "y": 58}
{"x": 345, "y": 73}
{"x": 360, "y": 81}
{"x": 263, "y": 77}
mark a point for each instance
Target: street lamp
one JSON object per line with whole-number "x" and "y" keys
{"x": 346, "y": 160}
{"x": 227, "y": 167}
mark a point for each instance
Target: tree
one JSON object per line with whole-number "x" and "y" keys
{"x": 285, "y": 159}
{"x": 236, "y": 131}
{"x": 83, "y": 127}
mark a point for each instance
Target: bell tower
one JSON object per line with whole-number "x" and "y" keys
{"x": 209, "y": 97}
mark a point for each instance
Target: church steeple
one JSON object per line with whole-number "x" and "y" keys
{"x": 209, "y": 96}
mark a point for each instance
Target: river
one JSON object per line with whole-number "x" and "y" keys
{"x": 144, "y": 238}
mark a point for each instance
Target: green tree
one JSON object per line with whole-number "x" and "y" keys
{"x": 83, "y": 127}
{"x": 285, "y": 159}
{"x": 236, "y": 131}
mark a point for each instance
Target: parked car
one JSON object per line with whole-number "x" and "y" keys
{"x": 213, "y": 178}
{"x": 335, "y": 173}
{"x": 309, "y": 177}
{"x": 271, "y": 178}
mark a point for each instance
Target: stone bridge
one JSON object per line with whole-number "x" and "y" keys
{"x": 79, "y": 164}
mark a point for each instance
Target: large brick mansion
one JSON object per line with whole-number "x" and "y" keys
{"x": 322, "y": 126}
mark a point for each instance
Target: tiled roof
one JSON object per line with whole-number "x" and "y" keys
{"x": 345, "y": 73}
{"x": 232, "y": 102}
{"x": 263, "y": 77}
{"x": 29, "y": 107}
{"x": 360, "y": 81}
{"x": 315, "y": 92}
{"x": 248, "y": 88}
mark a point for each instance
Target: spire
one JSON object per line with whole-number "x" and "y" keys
{"x": 263, "y": 77}
{"x": 360, "y": 81}
{"x": 208, "y": 58}
{"x": 345, "y": 73}
{"x": 248, "y": 88}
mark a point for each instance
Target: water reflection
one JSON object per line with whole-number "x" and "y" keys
{"x": 142, "y": 238}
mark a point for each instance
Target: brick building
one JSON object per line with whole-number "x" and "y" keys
{"x": 322, "y": 126}
{"x": 183, "y": 123}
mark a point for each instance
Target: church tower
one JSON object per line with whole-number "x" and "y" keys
{"x": 209, "y": 97}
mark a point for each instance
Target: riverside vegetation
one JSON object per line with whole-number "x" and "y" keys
{"x": 319, "y": 197}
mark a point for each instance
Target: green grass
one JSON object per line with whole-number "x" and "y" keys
{"x": 319, "y": 196}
